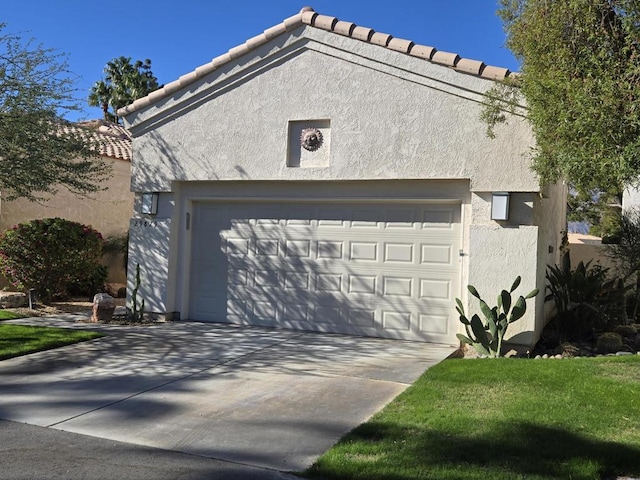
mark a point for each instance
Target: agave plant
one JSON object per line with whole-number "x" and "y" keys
{"x": 486, "y": 337}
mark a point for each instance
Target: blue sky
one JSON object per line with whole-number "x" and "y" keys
{"x": 178, "y": 36}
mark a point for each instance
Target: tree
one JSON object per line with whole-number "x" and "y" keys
{"x": 626, "y": 255}
{"x": 600, "y": 210}
{"x": 123, "y": 83}
{"x": 39, "y": 151}
{"x": 580, "y": 81}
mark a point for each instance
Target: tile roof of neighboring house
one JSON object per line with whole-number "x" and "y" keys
{"x": 114, "y": 140}
{"x": 308, "y": 16}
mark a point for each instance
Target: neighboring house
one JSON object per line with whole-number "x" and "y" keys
{"x": 108, "y": 211}
{"x": 631, "y": 199}
{"x": 323, "y": 176}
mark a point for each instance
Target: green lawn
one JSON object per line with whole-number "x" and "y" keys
{"x": 501, "y": 419}
{"x": 6, "y": 315}
{"x": 18, "y": 340}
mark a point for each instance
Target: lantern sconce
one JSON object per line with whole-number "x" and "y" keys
{"x": 500, "y": 206}
{"x": 149, "y": 204}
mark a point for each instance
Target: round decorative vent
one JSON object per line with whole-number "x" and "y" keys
{"x": 311, "y": 139}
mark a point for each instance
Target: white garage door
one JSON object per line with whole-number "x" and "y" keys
{"x": 374, "y": 269}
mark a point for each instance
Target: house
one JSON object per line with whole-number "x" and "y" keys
{"x": 108, "y": 210}
{"x": 325, "y": 176}
{"x": 631, "y": 199}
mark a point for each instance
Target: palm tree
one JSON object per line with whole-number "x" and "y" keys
{"x": 100, "y": 96}
{"x": 123, "y": 83}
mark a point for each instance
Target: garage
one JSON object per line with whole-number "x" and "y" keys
{"x": 371, "y": 267}
{"x": 323, "y": 176}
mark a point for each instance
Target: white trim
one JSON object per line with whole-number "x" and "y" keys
{"x": 382, "y": 200}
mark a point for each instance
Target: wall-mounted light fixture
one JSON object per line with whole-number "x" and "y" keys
{"x": 149, "y": 204}
{"x": 500, "y": 206}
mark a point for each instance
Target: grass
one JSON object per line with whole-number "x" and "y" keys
{"x": 7, "y": 315}
{"x": 501, "y": 419}
{"x": 16, "y": 340}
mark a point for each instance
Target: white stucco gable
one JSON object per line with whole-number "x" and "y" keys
{"x": 426, "y": 118}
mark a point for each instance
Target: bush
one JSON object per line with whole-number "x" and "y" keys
{"x": 626, "y": 255}
{"x": 90, "y": 284}
{"x": 49, "y": 255}
{"x": 117, "y": 245}
{"x": 586, "y": 300}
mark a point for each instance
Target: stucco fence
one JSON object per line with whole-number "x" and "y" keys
{"x": 585, "y": 248}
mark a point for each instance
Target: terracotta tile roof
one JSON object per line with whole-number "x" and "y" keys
{"x": 114, "y": 140}
{"x": 308, "y": 16}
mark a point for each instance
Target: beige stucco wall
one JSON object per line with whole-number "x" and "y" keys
{"x": 108, "y": 211}
{"x": 587, "y": 248}
{"x": 392, "y": 118}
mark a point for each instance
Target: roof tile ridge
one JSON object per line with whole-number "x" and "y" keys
{"x": 464, "y": 65}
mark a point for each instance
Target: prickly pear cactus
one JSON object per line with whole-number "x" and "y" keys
{"x": 609, "y": 342}
{"x": 486, "y": 337}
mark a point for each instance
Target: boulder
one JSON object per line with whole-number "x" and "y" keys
{"x": 13, "y": 299}
{"x": 103, "y": 307}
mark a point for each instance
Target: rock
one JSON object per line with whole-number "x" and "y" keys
{"x": 13, "y": 299}
{"x": 545, "y": 356}
{"x": 103, "y": 307}
{"x": 567, "y": 349}
{"x": 621, "y": 354}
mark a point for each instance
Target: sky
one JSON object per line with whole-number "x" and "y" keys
{"x": 179, "y": 36}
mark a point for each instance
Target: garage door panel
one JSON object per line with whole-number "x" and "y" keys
{"x": 435, "y": 289}
{"x": 397, "y": 286}
{"x": 396, "y": 320}
{"x": 362, "y": 318}
{"x": 435, "y": 323}
{"x": 327, "y": 315}
{"x": 360, "y": 251}
{"x": 365, "y": 269}
{"x": 436, "y": 254}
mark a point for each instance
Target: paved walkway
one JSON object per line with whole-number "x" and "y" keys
{"x": 260, "y": 397}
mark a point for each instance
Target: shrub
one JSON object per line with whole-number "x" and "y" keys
{"x": 117, "y": 245}
{"x": 586, "y": 301}
{"x": 90, "y": 284}
{"x": 626, "y": 255}
{"x": 49, "y": 255}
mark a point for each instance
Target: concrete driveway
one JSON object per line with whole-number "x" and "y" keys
{"x": 255, "y": 396}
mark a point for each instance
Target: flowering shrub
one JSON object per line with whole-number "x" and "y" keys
{"x": 49, "y": 255}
